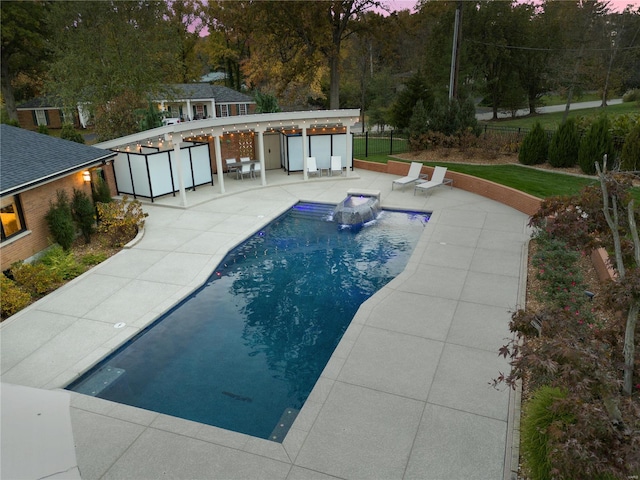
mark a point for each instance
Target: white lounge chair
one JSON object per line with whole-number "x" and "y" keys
{"x": 336, "y": 164}
{"x": 412, "y": 176}
{"x": 437, "y": 179}
{"x": 312, "y": 166}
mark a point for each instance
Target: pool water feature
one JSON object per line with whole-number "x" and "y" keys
{"x": 244, "y": 351}
{"x": 357, "y": 209}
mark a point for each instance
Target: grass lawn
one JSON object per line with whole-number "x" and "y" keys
{"x": 551, "y": 121}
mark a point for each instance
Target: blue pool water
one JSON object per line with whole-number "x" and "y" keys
{"x": 244, "y": 351}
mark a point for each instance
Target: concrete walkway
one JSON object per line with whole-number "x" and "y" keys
{"x": 405, "y": 395}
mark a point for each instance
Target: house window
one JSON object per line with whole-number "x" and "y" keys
{"x": 242, "y": 109}
{"x": 11, "y": 216}
{"x": 41, "y": 117}
{"x": 224, "y": 110}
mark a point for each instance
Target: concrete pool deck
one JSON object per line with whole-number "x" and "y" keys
{"x": 405, "y": 395}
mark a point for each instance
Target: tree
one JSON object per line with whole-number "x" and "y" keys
{"x": 304, "y": 39}
{"x": 183, "y": 19}
{"x": 494, "y": 29}
{"x": 266, "y": 103}
{"x": 564, "y": 145}
{"x": 24, "y": 35}
{"x": 595, "y": 143}
{"x": 535, "y": 146}
{"x": 105, "y": 50}
{"x": 416, "y": 88}
{"x": 627, "y": 292}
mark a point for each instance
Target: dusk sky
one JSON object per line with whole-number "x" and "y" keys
{"x": 616, "y": 5}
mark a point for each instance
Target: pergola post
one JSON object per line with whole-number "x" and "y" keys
{"x": 305, "y": 154}
{"x": 216, "y": 144}
{"x": 263, "y": 174}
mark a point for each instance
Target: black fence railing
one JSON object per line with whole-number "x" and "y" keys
{"x": 391, "y": 143}
{"x": 387, "y": 143}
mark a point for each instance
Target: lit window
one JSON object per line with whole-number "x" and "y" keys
{"x": 11, "y": 216}
{"x": 224, "y": 110}
{"x": 242, "y": 109}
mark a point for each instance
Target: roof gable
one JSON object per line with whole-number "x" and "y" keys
{"x": 28, "y": 158}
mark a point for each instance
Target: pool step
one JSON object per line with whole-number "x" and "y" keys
{"x": 320, "y": 211}
{"x": 283, "y": 425}
{"x": 101, "y": 380}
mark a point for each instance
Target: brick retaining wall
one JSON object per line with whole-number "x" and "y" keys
{"x": 523, "y": 202}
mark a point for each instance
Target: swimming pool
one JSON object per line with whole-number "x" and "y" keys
{"x": 244, "y": 351}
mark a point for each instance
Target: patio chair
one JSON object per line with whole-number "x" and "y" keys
{"x": 245, "y": 168}
{"x": 437, "y": 179}
{"x": 231, "y": 168}
{"x": 256, "y": 170}
{"x": 412, "y": 176}
{"x": 312, "y": 166}
{"x": 336, "y": 164}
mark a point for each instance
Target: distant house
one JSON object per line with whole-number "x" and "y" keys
{"x": 196, "y": 101}
{"x": 183, "y": 102}
{"x": 34, "y": 167}
{"x": 44, "y": 111}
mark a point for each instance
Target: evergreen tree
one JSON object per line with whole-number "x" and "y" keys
{"x": 83, "y": 213}
{"x": 594, "y": 145}
{"x": 416, "y": 88}
{"x": 535, "y": 146}
{"x": 564, "y": 146}
{"x": 630, "y": 157}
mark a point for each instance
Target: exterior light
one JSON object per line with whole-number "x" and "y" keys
{"x": 86, "y": 176}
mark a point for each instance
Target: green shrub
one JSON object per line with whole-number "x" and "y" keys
{"x": 541, "y": 416}
{"x": 60, "y": 221}
{"x": 43, "y": 129}
{"x": 69, "y": 133}
{"x": 91, "y": 259}
{"x": 61, "y": 264}
{"x": 120, "y": 220}
{"x": 83, "y": 213}
{"x": 564, "y": 145}
{"x": 100, "y": 191}
{"x": 631, "y": 95}
{"x": 596, "y": 142}
{"x": 535, "y": 146}
{"x": 36, "y": 278}
{"x": 630, "y": 156}
{"x": 12, "y": 297}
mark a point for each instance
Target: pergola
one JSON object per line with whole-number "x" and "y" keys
{"x": 171, "y": 137}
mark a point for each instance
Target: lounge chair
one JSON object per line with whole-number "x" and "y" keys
{"x": 437, "y": 179}
{"x": 412, "y": 176}
{"x": 336, "y": 164}
{"x": 312, "y": 166}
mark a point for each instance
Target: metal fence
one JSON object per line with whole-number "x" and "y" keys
{"x": 391, "y": 143}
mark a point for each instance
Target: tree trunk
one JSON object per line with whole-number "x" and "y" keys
{"x": 334, "y": 95}
{"x": 629, "y": 347}
{"x": 7, "y": 92}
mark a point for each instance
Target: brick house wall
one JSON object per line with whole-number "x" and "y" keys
{"x": 35, "y": 205}
{"x": 27, "y": 120}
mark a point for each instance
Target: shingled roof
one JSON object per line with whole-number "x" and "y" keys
{"x": 28, "y": 159}
{"x": 202, "y": 91}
